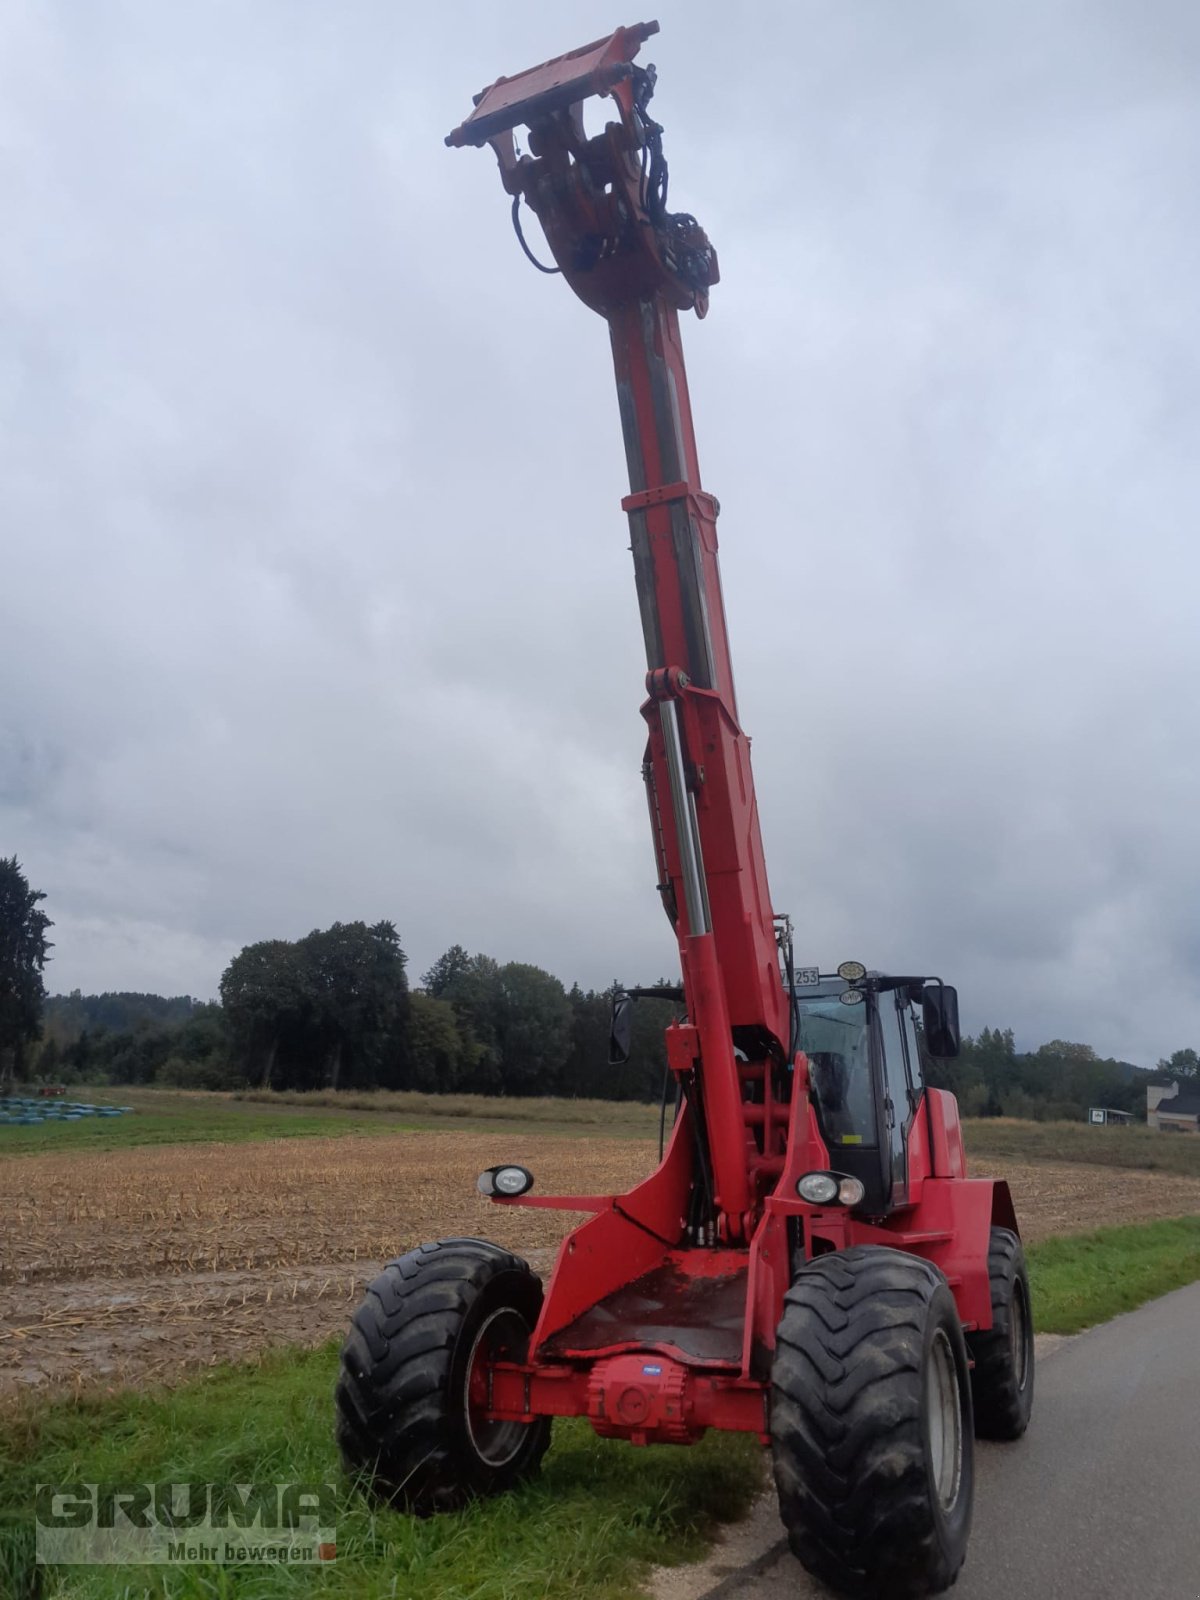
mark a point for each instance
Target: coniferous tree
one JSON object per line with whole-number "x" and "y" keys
{"x": 23, "y": 954}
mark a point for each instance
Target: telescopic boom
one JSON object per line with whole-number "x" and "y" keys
{"x": 602, "y": 205}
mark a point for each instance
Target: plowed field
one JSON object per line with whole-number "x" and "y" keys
{"x": 138, "y": 1263}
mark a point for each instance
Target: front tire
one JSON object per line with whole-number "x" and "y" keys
{"x": 871, "y": 1427}
{"x": 1002, "y": 1378}
{"x": 411, "y": 1396}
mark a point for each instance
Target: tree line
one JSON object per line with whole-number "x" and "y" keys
{"x": 335, "y": 1009}
{"x": 1058, "y": 1081}
{"x": 475, "y": 1025}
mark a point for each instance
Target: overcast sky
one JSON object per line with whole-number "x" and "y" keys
{"x": 315, "y": 601}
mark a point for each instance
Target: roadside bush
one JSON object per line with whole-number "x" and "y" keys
{"x": 210, "y": 1072}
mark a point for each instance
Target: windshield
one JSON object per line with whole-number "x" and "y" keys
{"x": 836, "y": 1040}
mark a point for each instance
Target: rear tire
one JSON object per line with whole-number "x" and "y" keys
{"x": 871, "y": 1427}
{"x": 1002, "y": 1379}
{"x": 410, "y": 1420}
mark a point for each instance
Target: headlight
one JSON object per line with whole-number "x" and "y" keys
{"x": 506, "y": 1181}
{"x": 818, "y": 1188}
{"x": 830, "y": 1188}
{"x": 851, "y": 972}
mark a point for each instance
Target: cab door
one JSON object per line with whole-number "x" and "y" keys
{"x": 899, "y": 1093}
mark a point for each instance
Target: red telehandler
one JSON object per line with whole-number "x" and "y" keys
{"x": 809, "y": 1262}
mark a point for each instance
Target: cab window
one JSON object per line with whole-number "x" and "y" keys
{"x": 836, "y": 1040}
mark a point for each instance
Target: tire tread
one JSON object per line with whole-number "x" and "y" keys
{"x": 393, "y": 1421}
{"x": 846, "y": 1423}
{"x": 1001, "y": 1409}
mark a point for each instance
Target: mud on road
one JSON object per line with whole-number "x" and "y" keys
{"x": 139, "y": 1264}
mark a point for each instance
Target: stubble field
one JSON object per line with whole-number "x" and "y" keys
{"x": 136, "y": 1263}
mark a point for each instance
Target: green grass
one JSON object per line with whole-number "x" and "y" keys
{"x": 179, "y": 1116}
{"x": 1086, "y": 1278}
{"x": 165, "y": 1116}
{"x": 1135, "y": 1146}
{"x": 585, "y": 1529}
{"x": 171, "y": 1116}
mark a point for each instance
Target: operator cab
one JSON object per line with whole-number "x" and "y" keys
{"x": 865, "y": 1045}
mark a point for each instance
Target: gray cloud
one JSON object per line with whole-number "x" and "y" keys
{"x": 316, "y": 601}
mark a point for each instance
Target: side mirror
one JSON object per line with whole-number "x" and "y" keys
{"x": 939, "y": 1019}
{"x": 620, "y": 1033}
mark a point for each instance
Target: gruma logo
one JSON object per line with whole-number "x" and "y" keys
{"x": 181, "y": 1524}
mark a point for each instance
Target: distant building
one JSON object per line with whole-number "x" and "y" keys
{"x": 1173, "y": 1110}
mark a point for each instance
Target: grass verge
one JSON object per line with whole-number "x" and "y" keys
{"x": 585, "y": 1529}
{"x": 1085, "y": 1278}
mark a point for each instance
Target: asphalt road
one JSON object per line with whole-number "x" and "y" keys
{"x": 1099, "y": 1501}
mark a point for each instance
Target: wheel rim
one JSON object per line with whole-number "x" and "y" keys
{"x": 1018, "y": 1333}
{"x": 944, "y": 1417}
{"x": 503, "y": 1336}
